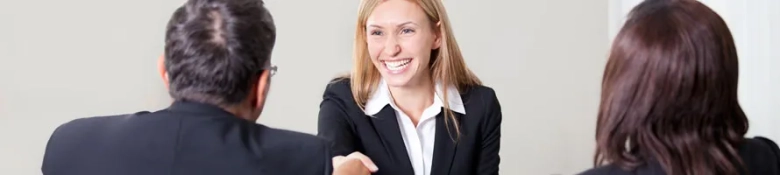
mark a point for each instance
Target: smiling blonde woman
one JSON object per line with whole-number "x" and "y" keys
{"x": 410, "y": 103}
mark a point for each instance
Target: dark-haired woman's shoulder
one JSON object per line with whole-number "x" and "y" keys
{"x": 650, "y": 168}
{"x": 761, "y": 156}
{"x": 609, "y": 169}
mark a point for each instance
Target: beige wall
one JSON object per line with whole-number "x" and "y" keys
{"x": 72, "y": 59}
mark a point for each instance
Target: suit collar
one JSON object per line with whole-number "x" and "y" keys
{"x": 381, "y": 97}
{"x": 445, "y": 144}
{"x": 386, "y": 124}
{"x": 251, "y": 131}
{"x": 199, "y": 108}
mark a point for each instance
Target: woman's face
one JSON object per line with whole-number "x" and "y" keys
{"x": 400, "y": 39}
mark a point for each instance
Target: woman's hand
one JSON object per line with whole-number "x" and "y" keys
{"x": 353, "y": 164}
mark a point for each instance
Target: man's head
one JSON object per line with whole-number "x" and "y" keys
{"x": 219, "y": 52}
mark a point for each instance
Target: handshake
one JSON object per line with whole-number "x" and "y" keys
{"x": 353, "y": 164}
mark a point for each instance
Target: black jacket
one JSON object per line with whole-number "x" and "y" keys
{"x": 348, "y": 128}
{"x": 761, "y": 156}
{"x": 185, "y": 139}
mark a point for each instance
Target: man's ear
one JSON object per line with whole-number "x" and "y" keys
{"x": 161, "y": 68}
{"x": 438, "y": 34}
{"x": 261, "y": 89}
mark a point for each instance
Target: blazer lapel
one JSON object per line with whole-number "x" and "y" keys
{"x": 386, "y": 124}
{"x": 444, "y": 145}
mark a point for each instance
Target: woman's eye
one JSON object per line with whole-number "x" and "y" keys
{"x": 376, "y": 33}
{"x": 405, "y": 31}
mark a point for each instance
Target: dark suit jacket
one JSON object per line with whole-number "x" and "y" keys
{"x": 348, "y": 128}
{"x": 185, "y": 139}
{"x": 761, "y": 156}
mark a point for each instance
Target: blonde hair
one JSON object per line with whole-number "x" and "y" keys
{"x": 448, "y": 66}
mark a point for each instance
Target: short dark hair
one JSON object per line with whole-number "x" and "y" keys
{"x": 669, "y": 92}
{"x": 216, "y": 49}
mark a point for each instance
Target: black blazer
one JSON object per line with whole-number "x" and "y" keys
{"x": 185, "y": 139}
{"x": 761, "y": 156}
{"x": 348, "y": 128}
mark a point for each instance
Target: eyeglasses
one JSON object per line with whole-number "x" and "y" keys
{"x": 272, "y": 69}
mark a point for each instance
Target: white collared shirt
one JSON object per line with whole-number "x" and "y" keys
{"x": 418, "y": 140}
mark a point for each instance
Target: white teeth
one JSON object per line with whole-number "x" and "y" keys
{"x": 397, "y": 65}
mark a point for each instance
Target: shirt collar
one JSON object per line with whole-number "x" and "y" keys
{"x": 381, "y": 97}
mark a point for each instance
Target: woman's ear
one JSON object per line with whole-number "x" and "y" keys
{"x": 438, "y": 33}
{"x": 161, "y": 69}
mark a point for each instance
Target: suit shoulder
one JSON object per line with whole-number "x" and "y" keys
{"x": 79, "y": 133}
{"x": 340, "y": 80}
{"x": 761, "y": 149}
{"x": 481, "y": 91}
{"x": 603, "y": 170}
{"x": 480, "y": 97}
{"x": 89, "y": 124}
{"x": 339, "y": 88}
{"x": 760, "y": 143}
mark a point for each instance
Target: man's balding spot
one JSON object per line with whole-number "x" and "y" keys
{"x": 217, "y": 26}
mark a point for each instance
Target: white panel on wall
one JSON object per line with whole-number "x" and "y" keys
{"x": 755, "y": 25}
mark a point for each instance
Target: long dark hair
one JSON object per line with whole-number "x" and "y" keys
{"x": 669, "y": 92}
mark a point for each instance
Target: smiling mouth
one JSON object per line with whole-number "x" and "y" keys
{"x": 395, "y": 65}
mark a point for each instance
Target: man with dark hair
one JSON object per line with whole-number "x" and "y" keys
{"x": 217, "y": 68}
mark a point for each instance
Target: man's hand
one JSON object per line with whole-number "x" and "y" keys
{"x": 353, "y": 164}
